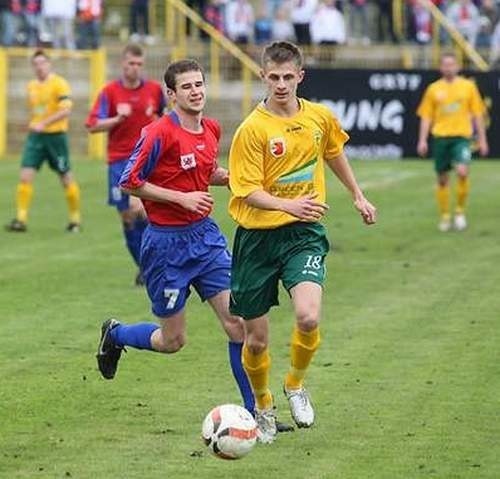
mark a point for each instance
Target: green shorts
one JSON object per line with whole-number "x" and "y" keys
{"x": 448, "y": 151}
{"x": 292, "y": 253}
{"x": 52, "y": 147}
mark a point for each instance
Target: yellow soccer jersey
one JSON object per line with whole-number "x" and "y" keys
{"x": 282, "y": 156}
{"x": 46, "y": 98}
{"x": 450, "y": 107}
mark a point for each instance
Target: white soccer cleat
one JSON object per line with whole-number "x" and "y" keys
{"x": 300, "y": 407}
{"x": 266, "y": 425}
{"x": 444, "y": 224}
{"x": 459, "y": 222}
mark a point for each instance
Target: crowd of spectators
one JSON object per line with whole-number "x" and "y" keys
{"x": 77, "y": 23}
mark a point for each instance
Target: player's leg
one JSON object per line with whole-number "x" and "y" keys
{"x": 131, "y": 211}
{"x": 233, "y": 326}
{"x": 462, "y": 157}
{"x": 31, "y": 161}
{"x": 134, "y": 223}
{"x": 304, "y": 251}
{"x": 57, "y": 151}
{"x": 254, "y": 290}
{"x": 442, "y": 166}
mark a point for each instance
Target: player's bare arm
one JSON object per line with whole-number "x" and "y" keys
{"x": 305, "y": 208}
{"x": 423, "y": 134}
{"x": 481, "y": 136}
{"x": 58, "y": 115}
{"x": 199, "y": 202}
{"x": 343, "y": 171}
{"x": 123, "y": 111}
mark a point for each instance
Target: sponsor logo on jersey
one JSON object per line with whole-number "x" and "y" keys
{"x": 277, "y": 147}
{"x": 188, "y": 161}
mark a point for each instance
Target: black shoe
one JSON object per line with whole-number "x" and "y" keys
{"x": 139, "y": 280}
{"x": 73, "y": 228}
{"x": 284, "y": 427}
{"x": 108, "y": 353}
{"x": 16, "y": 226}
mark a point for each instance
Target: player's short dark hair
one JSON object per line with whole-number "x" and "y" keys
{"x": 134, "y": 50}
{"x": 39, "y": 53}
{"x": 449, "y": 55}
{"x": 282, "y": 52}
{"x": 181, "y": 66}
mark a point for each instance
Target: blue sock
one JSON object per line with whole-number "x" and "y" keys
{"x": 136, "y": 335}
{"x": 133, "y": 238}
{"x": 241, "y": 376}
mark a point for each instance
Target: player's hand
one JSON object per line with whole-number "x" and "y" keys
{"x": 220, "y": 177}
{"x": 422, "y": 148}
{"x": 483, "y": 148}
{"x": 306, "y": 208}
{"x": 367, "y": 211}
{"x": 124, "y": 109}
{"x": 38, "y": 128}
{"x": 199, "y": 202}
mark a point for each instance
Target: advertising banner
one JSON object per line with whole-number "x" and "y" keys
{"x": 377, "y": 107}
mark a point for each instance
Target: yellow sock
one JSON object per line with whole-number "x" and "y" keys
{"x": 443, "y": 199}
{"x": 257, "y": 368}
{"x": 24, "y": 194}
{"x": 304, "y": 345}
{"x": 73, "y": 200}
{"x": 463, "y": 187}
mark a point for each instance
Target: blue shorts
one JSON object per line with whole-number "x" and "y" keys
{"x": 174, "y": 258}
{"x": 116, "y": 197}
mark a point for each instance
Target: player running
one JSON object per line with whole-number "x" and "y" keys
{"x": 122, "y": 109}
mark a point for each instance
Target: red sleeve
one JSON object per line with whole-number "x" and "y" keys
{"x": 101, "y": 108}
{"x": 143, "y": 159}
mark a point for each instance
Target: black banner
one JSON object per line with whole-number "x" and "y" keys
{"x": 377, "y": 107}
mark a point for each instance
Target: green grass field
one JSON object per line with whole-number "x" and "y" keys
{"x": 405, "y": 385}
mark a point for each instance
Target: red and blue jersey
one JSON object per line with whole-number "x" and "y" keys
{"x": 147, "y": 102}
{"x": 169, "y": 156}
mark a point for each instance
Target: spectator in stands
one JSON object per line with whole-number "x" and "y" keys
{"x": 139, "y": 13}
{"x": 488, "y": 18}
{"x": 240, "y": 21}
{"x": 328, "y": 25}
{"x": 214, "y": 14}
{"x": 464, "y": 15}
{"x": 495, "y": 47}
{"x": 420, "y": 23}
{"x": 59, "y": 17}
{"x": 89, "y": 24}
{"x": 385, "y": 22}
{"x": 8, "y": 23}
{"x": 29, "y": 11}
{"x": 263, "y": 28}
{"x": 301, "y": 15}
{"x": 358, "y": 21}
{"x": 282, "y": 25}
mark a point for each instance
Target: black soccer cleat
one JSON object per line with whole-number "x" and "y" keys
{"x": 108, "y": 352}
{"x": 284, "y": 427}
{"x": 73, "y": 228}
{"x": 16, "y": 226}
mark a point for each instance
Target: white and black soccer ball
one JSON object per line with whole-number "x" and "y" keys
{"x": 229, "y": 431}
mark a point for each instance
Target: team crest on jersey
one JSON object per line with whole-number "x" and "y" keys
{"x": 277, "y": 147}
{"x": 188, "y": 161}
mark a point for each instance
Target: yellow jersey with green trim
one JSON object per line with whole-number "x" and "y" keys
{"x": 450, "y": 107}
{"x": 46, "y": 98}
{"x": 283, "y": 156}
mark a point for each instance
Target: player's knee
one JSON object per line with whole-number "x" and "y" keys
{"x": 307, "y": 321}
{"x": 256, "y": 343}
{"x": 233, "y": 326}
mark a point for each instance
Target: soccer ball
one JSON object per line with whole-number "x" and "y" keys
{"x": 229, "y": 431}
